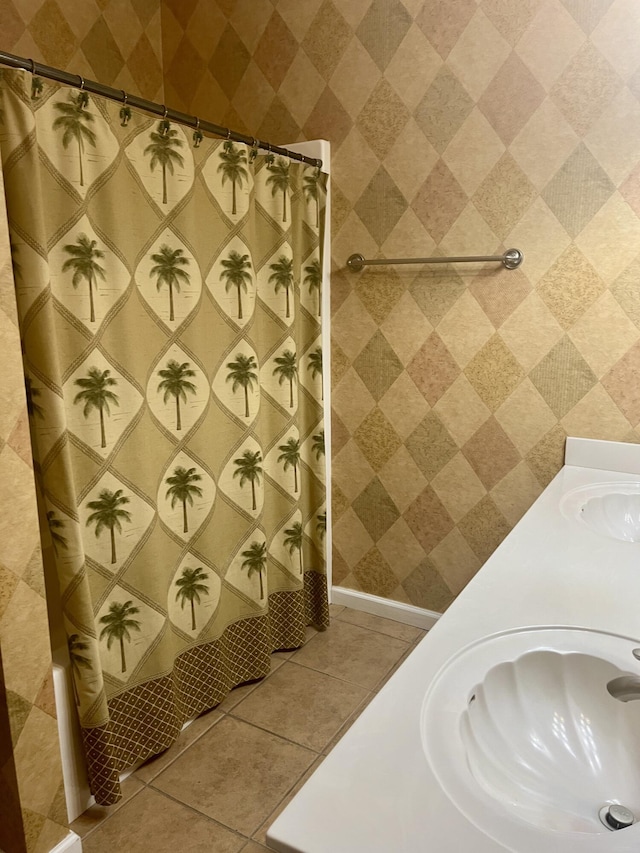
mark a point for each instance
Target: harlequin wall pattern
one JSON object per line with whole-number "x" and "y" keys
{"x": 117, "y": 42}
{"x": 32, "y": 805}
{"x": 450, "y": 124}
{"x": 456, "y": 128}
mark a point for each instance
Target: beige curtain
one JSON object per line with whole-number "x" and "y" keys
{"x": 169, "y": 298}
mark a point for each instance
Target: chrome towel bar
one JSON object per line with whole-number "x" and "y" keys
{"x": 511, "y": 259}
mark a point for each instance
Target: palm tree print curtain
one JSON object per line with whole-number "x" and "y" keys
{"x": 168, "y": 290}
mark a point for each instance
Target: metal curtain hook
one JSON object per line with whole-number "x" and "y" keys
{"x": 81, "y": 82}
{"x": 198, "y": 136}
{"x": 164, "y": 123}
{"x": 125, "y": 110}
{"x": 33, "y": 66}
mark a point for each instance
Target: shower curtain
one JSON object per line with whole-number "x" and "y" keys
{"x": 169, "y": 297}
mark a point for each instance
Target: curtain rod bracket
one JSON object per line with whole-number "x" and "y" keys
{"x": 512, "y": 258}
{"x": 356, "y": 262}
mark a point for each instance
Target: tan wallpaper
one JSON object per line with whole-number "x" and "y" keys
{"x": 117, "y": 42}
{"x": 456, "y": 128}
{"x": 32, "y": 807}
{"x": 463, "y": 127}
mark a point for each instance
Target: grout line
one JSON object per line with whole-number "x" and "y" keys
{"x": 215, "y": 722}
{"x": 316, "y": 756}
{"x": 338, "y": 618}
{"x": 373, "y": 630}
{"x": 327, "y": 675}
{"x": 199, "y": 813}
{"x": 371, "y": 692}
{"x": 320, "y": 756}
{"x": 351, "y": 719}
{"x": 408, "y": 648}
{"x": 110, "y": 814}
{"x": 275, "y": 734}
{"x": 407, "y": 643}
{"x": 378, "y": 687}
{"x": 222, "y": 713}
{"x": 337, "y": 677}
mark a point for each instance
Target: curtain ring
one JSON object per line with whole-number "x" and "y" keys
{"x": 197, "y": 123}
{"x": 81, "y": 82}
{"x": 165, "y": 113}
{"x": 33, "y": 66}
{"x": 125, "y": 98}
{"x": 228, "y": 133}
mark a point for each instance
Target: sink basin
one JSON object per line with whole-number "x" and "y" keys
{"x": 610, "y": 509}
{"x": 524, "y": 737}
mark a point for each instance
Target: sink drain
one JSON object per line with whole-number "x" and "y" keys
{"x": 616, "y": 817}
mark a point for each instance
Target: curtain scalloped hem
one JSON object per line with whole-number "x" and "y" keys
{"x": 201, "y": 678}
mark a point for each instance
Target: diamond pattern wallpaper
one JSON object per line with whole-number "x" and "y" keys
{"x": 456, "y": 128}
{"x": 32, "y": 805}
{"x": 116, "y": 42}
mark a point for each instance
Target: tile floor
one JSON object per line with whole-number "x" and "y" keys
{"x": 230, "y": 774}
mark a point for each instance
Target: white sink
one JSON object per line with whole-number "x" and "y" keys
{"x": 525, "y": 739}
{"x": 610, "y": 509}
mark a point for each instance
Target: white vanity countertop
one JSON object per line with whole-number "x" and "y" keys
{"x": 375, "y": 793}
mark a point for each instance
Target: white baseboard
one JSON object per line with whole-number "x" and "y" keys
{"x": 71, "y": 843}
{"x": 396, "y": 610}
{"x": 76, "y": 786}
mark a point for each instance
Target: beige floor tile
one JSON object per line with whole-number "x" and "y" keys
{"x": 352, "y": 653}
{"x": 236, "y": 774}
{"x": 243, "y": 690}
{"x": 95, "y": 815}
{"x": 302, "y": 705}
{"x": 383, "y": 626}
{"x": 377, "y": 687}
{"x": 240, "y": 775}
{"x": 153, "y": 822}
{"x": 237, "y": 695}
{"x": 261, "y": 834}
{"x": 420, "y": 637}
{"x": 283, "y": 655}
{"x": 348, "y": 723}
{"x": 150, "y": 769}
{"x": 310, "y": 632}
{"x": 335, "y": 610}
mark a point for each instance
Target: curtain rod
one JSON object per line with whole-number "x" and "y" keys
{"x": 39, "y": 70}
